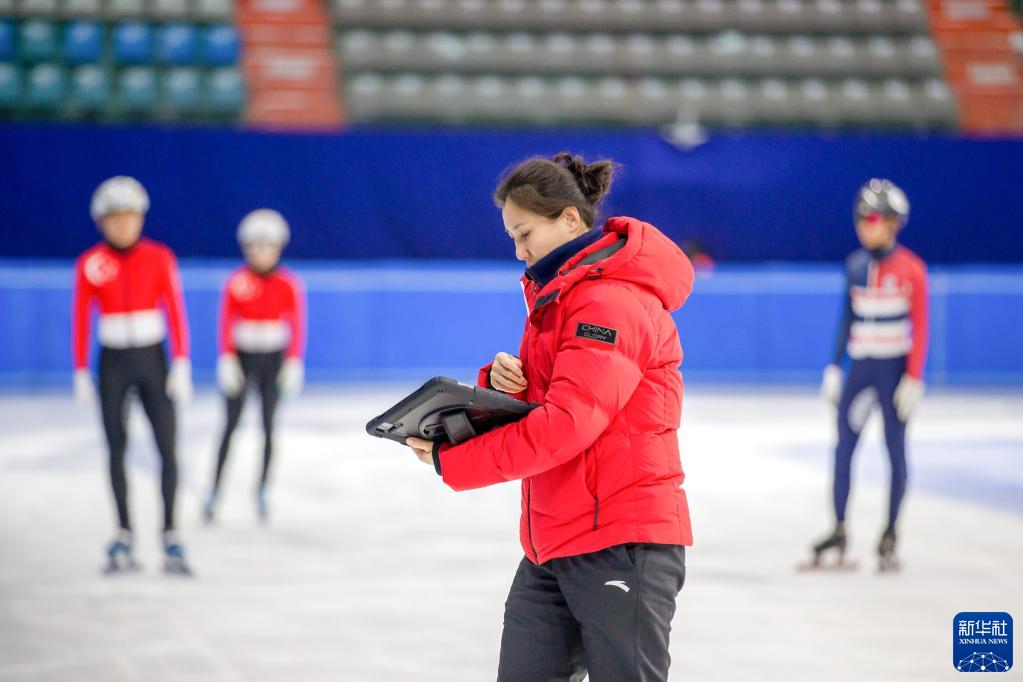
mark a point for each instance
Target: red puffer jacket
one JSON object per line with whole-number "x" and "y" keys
{"x": 599, "y": 460}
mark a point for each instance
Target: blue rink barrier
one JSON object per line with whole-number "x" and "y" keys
{"x": 407, "y": 320}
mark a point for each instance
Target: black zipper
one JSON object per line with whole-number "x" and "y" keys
{"x": 529, "y": 520}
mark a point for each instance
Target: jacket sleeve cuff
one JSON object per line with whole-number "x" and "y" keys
{"x": 484, "y": 377}
{"x": 437, "y": 448}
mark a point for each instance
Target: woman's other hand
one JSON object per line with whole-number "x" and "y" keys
{"x": 506, "y": 374}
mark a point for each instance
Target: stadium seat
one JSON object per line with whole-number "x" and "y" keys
{"x": 90, "y": 87}
{"x": 220, "y": 46}
{"x": 6, "y": 41}
{"x": 81, "y": 8}
{"x": 38, "y": 41}
{"x": 124, "y": 9}
{"x": 214, "y": 10}
{"x": 10, "y": 86}
{"x": 170, "y": 10}
{"x": 175, "y": 43}
{"x": 45, "y": 86}
{"x": 133, "y": 42}
{"x": 136, "y": 88}
{"x": 83, "y": 42}
{"x": 225, "y": 90}
{"x": 181, "y": 89}
{"x": 37, "y": 8}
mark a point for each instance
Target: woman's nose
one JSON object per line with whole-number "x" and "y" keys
{"x": 520, "y": 252}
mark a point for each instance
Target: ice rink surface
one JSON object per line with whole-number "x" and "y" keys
{"x": 371, "y": 569}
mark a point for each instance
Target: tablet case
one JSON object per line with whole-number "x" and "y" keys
{"x": 445, "y": 408}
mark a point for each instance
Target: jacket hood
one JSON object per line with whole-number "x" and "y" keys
{"x": 636, "y": 252}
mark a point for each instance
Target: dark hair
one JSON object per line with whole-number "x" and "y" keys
{"x": 549, "y": 186}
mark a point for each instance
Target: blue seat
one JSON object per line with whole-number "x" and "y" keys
{"x": 83, "y": 42}
{"x": 181, "y": 89}
{"x": 133, "y": 42}
{"x": 10, "y": 86}
{"x": 6, "y": 41}
{"x": 136, "y": 88}
{"x": 175, "y": 44}
{"x": 38, "y": 41}
{"x": 225, "y": 91}
{"x": 45, "y": 86}
{"x": 90, "y": 87}
{"x": 220, "y": 46}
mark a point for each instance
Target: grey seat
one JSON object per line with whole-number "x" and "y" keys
{"x": 611, "y": 100}
{"x": 124, "y": 9}
{"x": 170, "y": 9}
{"x": 856, "y": 102}
{"x": 364, "y": 99}
{"x": 214, "y": 10}
{"x": 935, "y": 104}
{"x": 772, "y": 102}
{"x": 800, "y": 55}
{"x": 653, "y": 102}
{"x": 81, "y": 8}
{"x": 881, "y": 57}
{"x": 37, "y": 8}
{"x": 570, "y": 94}
{"x": 530, "y": 101}
{"x": 920, "y": 57}
{"x": 896, "y": 103}
{"x": 840, "y": 56}
{"x": 816, "y": 103}
{"x": 728, "y": 53}
{"x": 736, "y": 101}
{"x": 909, "y": 16}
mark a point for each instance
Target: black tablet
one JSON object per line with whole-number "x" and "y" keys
{"x": 445, "y": 408}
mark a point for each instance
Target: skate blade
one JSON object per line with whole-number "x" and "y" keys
{"x": 112, "y": 569}
{"x": 844, "y": 565}
{"x": 174, "y": 568}
{"x": 889, "y": 567}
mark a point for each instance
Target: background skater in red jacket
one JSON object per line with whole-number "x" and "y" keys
{"x": 604, "y": 520}
{"x": 261, "y": 338}
{"x": 129, "y": 278}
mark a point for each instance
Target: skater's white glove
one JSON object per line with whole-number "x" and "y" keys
{"x": 907, "y": 396}
{"x": 230, "y": 376}
{"x": 291, "y": 377}
{"x": 85, "y": 390}
{"x": 179, "y": 380}
{"x": 831, "y": 384}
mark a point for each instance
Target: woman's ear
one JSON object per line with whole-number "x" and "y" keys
{"x": 573, "y": 220}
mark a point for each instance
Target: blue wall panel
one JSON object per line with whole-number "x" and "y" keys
{"x": 409, "y": 321}
{"x": 426, "y": 193}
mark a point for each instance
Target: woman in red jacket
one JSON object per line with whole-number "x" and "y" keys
{"x": 605, "y": 520}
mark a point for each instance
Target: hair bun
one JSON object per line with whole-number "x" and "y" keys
{"x": 594, "y": 179}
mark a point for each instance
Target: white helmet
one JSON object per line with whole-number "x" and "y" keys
{"x": 119, "y": 194}
{"x": 263, "y": 225}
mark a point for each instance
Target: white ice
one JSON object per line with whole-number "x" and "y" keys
{"x": 371, "y": 569}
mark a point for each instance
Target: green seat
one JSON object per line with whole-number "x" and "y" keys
{"x": 46, "y": 86}
{"x": 90, "y": 87}
{"x": 38, "y": 41}
{"x": 181, "y": 89}
{"x": 225, "y": 91}
{"x": 10, "y": 86}
{"x": 136, "y": 88}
